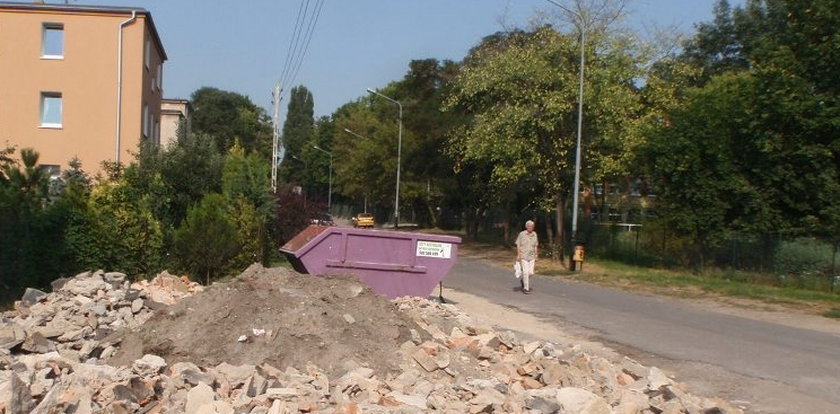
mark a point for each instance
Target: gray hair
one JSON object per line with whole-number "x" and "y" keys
{"x": 529, "y": 222}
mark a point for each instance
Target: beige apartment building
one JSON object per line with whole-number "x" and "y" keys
{"x": 174, "y": 114}
{"x": 79, "y": 81}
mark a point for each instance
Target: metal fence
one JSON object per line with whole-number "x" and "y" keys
{"x": 775, "y": 259}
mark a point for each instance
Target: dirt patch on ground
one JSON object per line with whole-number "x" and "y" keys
{"x": 279, "y": 317}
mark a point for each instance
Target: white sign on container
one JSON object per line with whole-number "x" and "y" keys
{"x": 434, "y": 249}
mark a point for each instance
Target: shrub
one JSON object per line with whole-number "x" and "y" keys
{"x": 207, "y": 239}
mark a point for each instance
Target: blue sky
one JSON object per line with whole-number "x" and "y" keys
{"x": 242, "y": 45}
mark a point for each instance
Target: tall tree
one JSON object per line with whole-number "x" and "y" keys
{"x": 770, "y": 124}
{"x": 365, "y": 165}
{"x": 431, "y": 180}
{"x": 297, "y": 130}
{"x": 523, "y": 94}
{"x": 718, "y": 46}
{"x": 228, "y": 117}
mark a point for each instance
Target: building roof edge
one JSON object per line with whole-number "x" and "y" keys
{"x": 79, "y": 8}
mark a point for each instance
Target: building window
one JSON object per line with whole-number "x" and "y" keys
{"x": 52, "y": 41}
{"x": 160, "y": 77}
{"x": 147, "y": 55}
{"x": 156, "y": 132}
{"x": 146, "y": 121}
{"x": 51, "y": 108}
{"x": 52, "y": 171}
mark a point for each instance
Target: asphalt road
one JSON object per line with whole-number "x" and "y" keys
{"x": 775, "y": 368}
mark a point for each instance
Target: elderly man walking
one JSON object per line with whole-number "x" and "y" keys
{"x": 526, "y": 254}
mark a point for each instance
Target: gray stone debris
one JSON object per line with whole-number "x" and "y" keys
{"x": 52, "y": 359}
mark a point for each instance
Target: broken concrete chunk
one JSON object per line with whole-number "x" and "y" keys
{"x": 425, "y": 360}
{"x": 235, "y": 374}
{"x": 198, "y": 397}
{"x": 11, "y": 334}
{"x": 14, "y": 394}
{"x": 281, "y": 393}
{"x": 32, "y": 296}
{"x": 148, "y": 365}
{"x": 136, "y": 305}
{"x": 37, "y": 343}
{"x": 410, "y": 400}
{"x": 657, "y": 379}
{"x": 577, "y": 400}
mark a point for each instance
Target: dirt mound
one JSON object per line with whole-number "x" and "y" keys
{"x": 279, "y": 317}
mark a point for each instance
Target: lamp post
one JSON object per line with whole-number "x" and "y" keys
{"x": 581, "y": 25}
{"x": 329, "y": 193}
{"x": 399, "y": 155}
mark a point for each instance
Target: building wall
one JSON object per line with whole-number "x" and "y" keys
{"x": 173, "y": 112}
{"x": 86, "y": 77}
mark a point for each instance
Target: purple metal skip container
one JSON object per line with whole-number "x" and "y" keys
{"x": 391, "y": 263}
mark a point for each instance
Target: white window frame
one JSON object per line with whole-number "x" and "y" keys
{"x": 156, "y": 132}
{"x": 147, "y": 55}
{"x": 54, "y": 171}
{"x": 43, "y": 102}
{"x": 146, "y": 121}
{"x": 46, "y": 27}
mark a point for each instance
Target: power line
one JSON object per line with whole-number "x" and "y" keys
{"x": 312, "y": 24}
{"x": 295, "y": 40}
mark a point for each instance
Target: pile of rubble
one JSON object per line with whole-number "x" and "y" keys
{"x": 82, "y": 312}
{"x": 448, "y": 363}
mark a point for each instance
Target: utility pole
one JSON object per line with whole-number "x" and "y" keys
{"x": 277, "y": 150}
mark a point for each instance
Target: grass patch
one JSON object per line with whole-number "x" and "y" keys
{"x": 833, "y": 313}
{"x": 717, "y": 282}
{"x": 671, "y": 282}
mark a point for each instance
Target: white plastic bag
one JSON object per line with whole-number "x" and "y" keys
{"x": 517, "y": 269}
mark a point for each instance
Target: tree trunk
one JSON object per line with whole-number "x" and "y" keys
{"x": 560, "y": 211}
{"x": 605, "y": 209}
{"x": 587, "y": 203}
{"x": 507, "y": 223}
{"x": 550, "y": 235}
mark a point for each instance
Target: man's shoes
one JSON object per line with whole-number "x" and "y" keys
{"x": 526, "y": 291}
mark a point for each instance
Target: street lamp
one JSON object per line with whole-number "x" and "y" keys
{"x": 582, "y": 28}
{"x": 354, "y": 134}
{"x": 329, "y": 193}
{"x": 399, "y": 155}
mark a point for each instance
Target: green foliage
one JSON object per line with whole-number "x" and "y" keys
{"x": 804, "y": 258}
{"x": 522, "y": 89}
{"x": 118, "y": 232}
{"x": 32, "y": 251}
{"x": 245, "y": 186}
{"x": 177, "y": 177}
{"x": 229, "y": 117}
{"x": 833, "y": 313}
{"x": 247, "y": 177}
{"x": 207, "y": 239}
{"x": 251, "y": 235}
{"x": 753, "y": 148}
{"x": 297, "y": 131}
{"x": 366, "y": 166}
